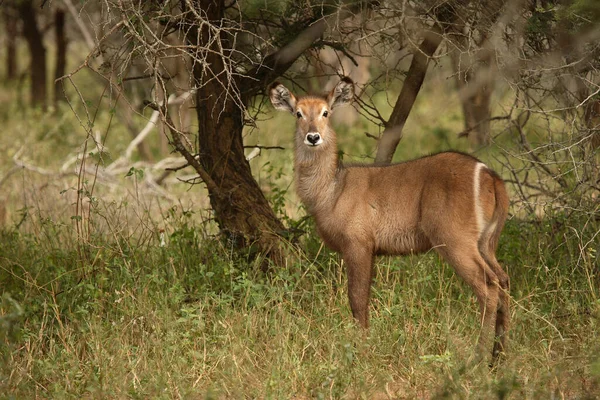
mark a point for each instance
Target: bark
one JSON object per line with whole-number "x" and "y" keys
{"x": 38, "y": 54}
{"x": 243, "y": 213}
{"x": 412, "y": 85}
{"x": 476, "y": 70}
{"x": 241, "y": 210}
{"x": 475, "y": 83}
{"x": 592, "y": 119}
{"x": 61, "y": 54}
{"x": 11, "y": 39}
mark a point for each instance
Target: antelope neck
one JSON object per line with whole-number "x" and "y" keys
{"x": 317, "y": 176}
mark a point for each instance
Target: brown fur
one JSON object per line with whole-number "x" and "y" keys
{"x": 406, "y": 208}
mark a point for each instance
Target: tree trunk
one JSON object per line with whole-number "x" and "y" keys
{"x": 11, "y": 42}
{"x": 475, "y": 67}
{"x": 61, "y": 54}
{"x": 38, "y": 54}
{"x": 412, "y": 85}
{"x": 241, "y": 210}
{"x": 475, "y": 83}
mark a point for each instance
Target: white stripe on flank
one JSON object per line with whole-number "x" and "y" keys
{"x": 477, "y": 202}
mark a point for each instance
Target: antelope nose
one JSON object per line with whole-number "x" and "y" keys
{"x": 313, "y": 138}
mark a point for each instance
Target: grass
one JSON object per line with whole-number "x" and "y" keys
{"x": 93, "y": 305}
{"x": 130, "y": 319}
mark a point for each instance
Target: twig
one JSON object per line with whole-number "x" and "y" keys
{"x": 84, "y": 31}
{"x": 212, "y": 187}
{"x": 534, "y": 156}
{"x": 172, "y": 100}
{"x": 339, "y": 47}
{"x": 257, "y": 146}
{"x": 466, "y": 132}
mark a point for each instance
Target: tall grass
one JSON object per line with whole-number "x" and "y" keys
{"x": 123, "y": 317}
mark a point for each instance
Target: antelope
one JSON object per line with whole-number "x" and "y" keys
{"x": 450, "y": 202}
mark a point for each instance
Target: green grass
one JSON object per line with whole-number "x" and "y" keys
{"x": 129, "y": 318}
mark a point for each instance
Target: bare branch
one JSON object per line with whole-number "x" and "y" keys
{"x": 277, "y": 63}
{"x": 180, "y": 147}
{"x": 412, "y": 84}
{"x": 466, "y": 132}
{"x": 82, "y": 28}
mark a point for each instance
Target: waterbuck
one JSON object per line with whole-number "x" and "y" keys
{"x": 450, "y": 202}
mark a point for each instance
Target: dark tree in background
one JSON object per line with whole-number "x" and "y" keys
{"x": 34, "y": 20}
{"x": 9, "y": 16}
{"x": 61, "y": 53}
{"x": 37, "y": 52}
{"x": 473, "y": 60}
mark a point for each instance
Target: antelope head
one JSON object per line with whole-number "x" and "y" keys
{"x": 313, "y": 130}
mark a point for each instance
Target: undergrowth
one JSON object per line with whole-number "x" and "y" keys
{"x": 117, "y": 317}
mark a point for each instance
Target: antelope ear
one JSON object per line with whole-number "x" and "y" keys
{"x": 281, "y": 98}
{"x": 342, "y": 93}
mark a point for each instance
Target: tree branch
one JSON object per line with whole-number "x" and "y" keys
{"x": 275, "y": 64}
{"x": 412, "y": 84}
{"x": 212, "y": 187}
{"x": 465, "y": 132}
{"x": 89, "y": 40}
{"x": 339, "y": 47}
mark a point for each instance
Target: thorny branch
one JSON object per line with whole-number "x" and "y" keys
{"x": 176, "y": 139}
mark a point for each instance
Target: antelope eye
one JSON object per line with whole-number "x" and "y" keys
{"x": 325, "y": 113}
{"x": 299, "y": 114}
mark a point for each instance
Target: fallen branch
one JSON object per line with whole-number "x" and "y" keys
{"x": 253, "y": 154}
{"x": 150, "y": 125}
